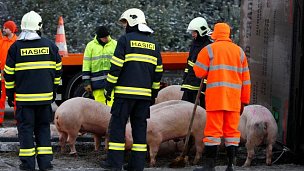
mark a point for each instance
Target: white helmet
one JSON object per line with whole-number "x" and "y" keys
{"x": 134, "y": 16}
{"x": 199, "y": 24}
{"x": 31, "y": 21}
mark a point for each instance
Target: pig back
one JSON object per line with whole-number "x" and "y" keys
{"x": 173, "y": 121}
{"x": 172, "y": 92}
{"x": 80, "y": 107}
{"x": 83, "y": 112}
{"x": 163, "y": 104}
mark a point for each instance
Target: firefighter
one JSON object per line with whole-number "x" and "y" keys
{"x": 225, "y": 66}
{"x": 135, "y": 74}
{"x": 32, "y": 73}
{"x": 200, "y": 34}
{"x": 96, "y": 63}
{"x": 9, "y": 30}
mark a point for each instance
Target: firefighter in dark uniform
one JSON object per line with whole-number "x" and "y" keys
{"x": 135, "y": 74}
{"x": 32, "y": 74}
{"x": 200, "y": 33}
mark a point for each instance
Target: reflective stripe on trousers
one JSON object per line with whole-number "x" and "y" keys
{"x": 138, "y": 111}
{"x": 222, "y": 124}
{"x": 31, "y": 121}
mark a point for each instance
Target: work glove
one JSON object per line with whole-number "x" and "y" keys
{"x": 107, "y": 94}
{"x": 10, "y": 99}
{"x": 88, "y": 88}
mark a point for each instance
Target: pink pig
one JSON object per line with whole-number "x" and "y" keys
{"x": 258, "y": 126}
{"x": 170, "y": 122}
{"x": 81, "y": 115}
{"x": 13, "y": 132}
{"x": 172, "y": 92}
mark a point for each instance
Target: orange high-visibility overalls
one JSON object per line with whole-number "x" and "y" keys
{"x": 225, "y": 66}
{"x": 5, "y": 44}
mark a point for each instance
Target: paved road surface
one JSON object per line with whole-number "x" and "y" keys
{"x": 89, "y": 161}
{"x": 11, "y": 164}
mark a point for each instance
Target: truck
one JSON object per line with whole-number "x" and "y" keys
{"x": 71, "y": 82}
{"x": 271, "y": 34}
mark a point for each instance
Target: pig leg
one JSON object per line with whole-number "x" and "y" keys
{"x": 153, "y": 149}
{"x": 268, "y": 154}
{"x": 62, "y": 140}
{"x": 199, "y": 146}
{"x": 106, "y": 142}
{"x": 71, "y": 141}
{"x": 97, "y": 140}
{"x": 250, "y": 154}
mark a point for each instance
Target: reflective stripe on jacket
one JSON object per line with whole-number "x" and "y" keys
{"x": 33, "y": 71}
{"x": 96, "y": 62}
{"x": 190, "y": 81}
{"x": 136, "y": 67}
{"x": 225, "y": 66}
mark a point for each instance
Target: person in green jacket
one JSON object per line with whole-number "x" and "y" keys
{"x": 96, "y": 64}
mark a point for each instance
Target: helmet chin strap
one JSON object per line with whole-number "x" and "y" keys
{"x": 130, "y": 29}
{"x": 39, "y": 32}
{"x": 29, "y": 35}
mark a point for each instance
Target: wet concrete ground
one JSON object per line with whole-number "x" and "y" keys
{"x": 9, "y": 162}
{"x": 88, "y": 160}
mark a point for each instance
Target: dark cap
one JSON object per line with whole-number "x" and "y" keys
{"x": 102, "y": 31}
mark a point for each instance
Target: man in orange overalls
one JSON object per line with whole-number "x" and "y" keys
{"x": 225, "y": 66}
{"x": 9, "y": 37}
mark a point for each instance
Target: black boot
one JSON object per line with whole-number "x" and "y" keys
{"x": 23, "y": 166}
{"x": 50, "y": 167}
{"x": 106, "y": 166}
{"x": 209, "y": 164}
{"x": 231, "y": 154}
{"x": 125, "y": 166}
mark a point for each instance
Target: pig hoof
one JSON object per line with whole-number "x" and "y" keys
{"x": 81, "y": 133}
{"x": 103, "y": 157}
{"x": 186, "y": 160}
{"x": 178, "y": 162}
{"x": 73, "y": 154}
{"x": 151, "y": 165}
